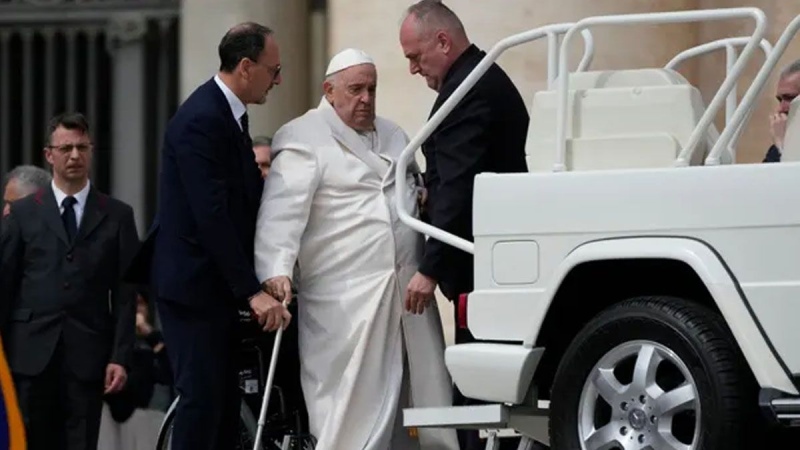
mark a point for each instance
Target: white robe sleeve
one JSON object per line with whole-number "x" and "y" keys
{"x": 285, "y": 204}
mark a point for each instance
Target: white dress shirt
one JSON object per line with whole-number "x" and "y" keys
{"x": 237, "y": 106}
{"x": 80, "y": 198}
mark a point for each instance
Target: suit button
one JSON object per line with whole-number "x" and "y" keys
{"x": 69, "y": 256}
{"x": 66, "y": 285}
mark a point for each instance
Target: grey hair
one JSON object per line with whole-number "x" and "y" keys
{"x": 29, "y": 178}
{"x": 791, "y": 69}
{"x": 260, "y": 141}
{"x": 433, "y": 14}
{"x": 332, "y": 78}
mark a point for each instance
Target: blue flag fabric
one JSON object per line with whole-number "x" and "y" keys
{"x": 12, "y": 430}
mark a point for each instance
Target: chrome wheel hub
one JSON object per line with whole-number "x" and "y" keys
{"x": 640, "y": 395}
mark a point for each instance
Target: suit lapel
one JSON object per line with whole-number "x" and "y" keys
{"x": 51, "y": 212}
{"x": 93, "y": 213}
{"x": 349, "y": 139}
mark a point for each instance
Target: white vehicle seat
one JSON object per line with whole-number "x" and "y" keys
{"x": 619, "y": 120}
{"x": 791, "y": 141}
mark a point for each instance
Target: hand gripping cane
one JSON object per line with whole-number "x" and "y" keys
{"x": 273, "y": 363}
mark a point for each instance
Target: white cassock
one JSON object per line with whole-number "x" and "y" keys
{"x": 328, "y": 205}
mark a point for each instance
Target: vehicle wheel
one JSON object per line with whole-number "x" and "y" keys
{"x": 245, "y": 439}
{"x": 653, "y": 373}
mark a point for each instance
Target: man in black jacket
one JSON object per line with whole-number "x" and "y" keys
{"x": 486, "y": 132}
{"x": 67, "y": 321}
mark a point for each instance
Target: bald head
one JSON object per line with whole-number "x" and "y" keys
{"x": 430, "y": 16}
{"x": 432, "y": 38}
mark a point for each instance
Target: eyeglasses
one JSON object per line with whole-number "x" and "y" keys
{"x": 67, "y": 148}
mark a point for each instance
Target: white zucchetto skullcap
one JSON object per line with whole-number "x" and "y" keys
{"x": 348, "y": 58}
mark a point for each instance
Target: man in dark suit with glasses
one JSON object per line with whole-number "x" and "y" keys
{"x": 67, "y": 320}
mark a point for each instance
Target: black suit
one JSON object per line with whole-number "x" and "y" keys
{"x": 67, "y": 315}
{"x": 485, "y": 132}
{"x": 773, "y": 155}
{"x": 202, "y": 262}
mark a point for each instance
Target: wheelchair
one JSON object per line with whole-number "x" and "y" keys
{"x": 286, "y": 422}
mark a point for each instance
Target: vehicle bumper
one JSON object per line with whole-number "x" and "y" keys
{"x": 493, "y": 372}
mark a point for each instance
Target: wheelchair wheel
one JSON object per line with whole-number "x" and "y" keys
{"x": 245, "y": 438}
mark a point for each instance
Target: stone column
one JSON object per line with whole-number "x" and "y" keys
{"x": 318, "y": 49}
{"x": 204, "y": 22}
{"x": 126, "y": 33}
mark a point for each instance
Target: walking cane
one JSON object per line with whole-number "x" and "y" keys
{"x": 273, "y": 363}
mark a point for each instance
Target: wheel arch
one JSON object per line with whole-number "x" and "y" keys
{"x": 677, "y": 266}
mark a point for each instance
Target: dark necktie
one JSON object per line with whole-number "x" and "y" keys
{"x": 245, "y": 124}
{"x": 68, "y": 217}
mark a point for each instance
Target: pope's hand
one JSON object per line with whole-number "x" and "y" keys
{"x": 270, "y": 312}
{"x": 263, "y": 159}
{"x": 419, "y": 293}
{"x": 280, "y": 288}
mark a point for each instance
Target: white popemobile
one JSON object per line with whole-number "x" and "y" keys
{"x": 640, "y": 291}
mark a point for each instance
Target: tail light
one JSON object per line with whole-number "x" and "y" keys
{"x": 461, "y": 312}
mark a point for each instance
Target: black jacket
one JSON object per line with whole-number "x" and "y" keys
{"x": 199, "y": 251}
{"x": 772, "y": 155}
{"x": 55, "y": 289}
{"x": 485, "y": 132}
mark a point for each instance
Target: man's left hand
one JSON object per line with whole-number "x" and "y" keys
{"x": 116, "y": 376}
{"x": 419, "y": 293}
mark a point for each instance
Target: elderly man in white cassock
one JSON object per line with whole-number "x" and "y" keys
{"x": 327, "y": 222}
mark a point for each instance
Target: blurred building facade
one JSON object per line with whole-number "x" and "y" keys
{"x": 128, "y": 63}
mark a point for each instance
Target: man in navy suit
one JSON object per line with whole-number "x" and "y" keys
{"x": 202, "y": 241}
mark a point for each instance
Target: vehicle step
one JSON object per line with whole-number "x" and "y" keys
{"x": 787, "y": 410}
{"x": 781, "y": 407}
{"x": 500, "y": 418}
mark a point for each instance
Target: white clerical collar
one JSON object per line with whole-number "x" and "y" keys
{"x": 237, "y": 105}
{"x": 80, "y": 197}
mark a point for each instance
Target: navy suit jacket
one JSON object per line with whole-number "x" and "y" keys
{"x": 199, "y": 251}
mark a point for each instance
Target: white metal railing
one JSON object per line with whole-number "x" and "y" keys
{"x": 729, "y": 44}
{"x": 742, "y": 114}
{"x": 660, "y": 18}
{"x": 521, "y": 38}
{"x": 549, "y": 31}
{"x": 552, "y": 50}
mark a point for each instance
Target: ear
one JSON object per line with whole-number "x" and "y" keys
{"x": 48, "y": 155}
{"x": 444, "y": 42}
{"x": 245, "y": 65}
{"x": 327, "y": 88}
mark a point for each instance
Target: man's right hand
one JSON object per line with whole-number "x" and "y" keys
{"x": 777, "y": 128}
{"x": 270, "y": 312}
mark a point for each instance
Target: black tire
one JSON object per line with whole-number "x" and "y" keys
{"x": 686, "y": 335}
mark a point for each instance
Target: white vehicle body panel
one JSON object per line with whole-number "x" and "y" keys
{"x": 756, "y": 235}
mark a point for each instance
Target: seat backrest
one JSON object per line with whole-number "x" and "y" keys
{"x": 791, "y": 141}
{"x": 618, "y": 119}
